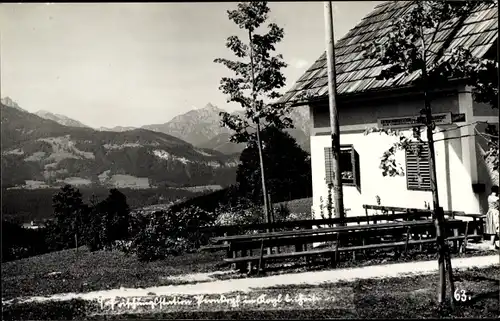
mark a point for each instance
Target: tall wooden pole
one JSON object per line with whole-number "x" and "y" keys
{"x": 338, "y": 199}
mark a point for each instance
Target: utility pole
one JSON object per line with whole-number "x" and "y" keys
{"x": 338, "y": 199}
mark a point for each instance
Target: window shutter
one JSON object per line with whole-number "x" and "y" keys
{"x": 356, "y": 169}
{"x": 417, "y": 165}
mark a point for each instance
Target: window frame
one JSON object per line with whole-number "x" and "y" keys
{"x": 355, "y": 162}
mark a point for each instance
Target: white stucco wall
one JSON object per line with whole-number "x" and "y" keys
{"x": 454, "y": 179}
{"x": 392, "y": 190}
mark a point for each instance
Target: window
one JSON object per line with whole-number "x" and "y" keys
{"x": 349, "y": 166}
{"x": 418, "y": 175}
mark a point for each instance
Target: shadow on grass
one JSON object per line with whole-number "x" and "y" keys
{"x": 494, "y": 294}
{"x": 242, "y": 315}
{"x": 34, "y": 276}
{"x": 478, "y": 278}
{"x": 69, "y": 310}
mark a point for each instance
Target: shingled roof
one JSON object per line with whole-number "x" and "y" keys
{"x": 356, "y": 74}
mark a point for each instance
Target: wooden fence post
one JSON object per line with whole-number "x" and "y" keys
{"x": 261, "y": 255}
{"x": 464, "y": 243}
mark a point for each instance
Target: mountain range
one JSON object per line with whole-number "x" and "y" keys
{"x": 44, "y": 149}
{"x": 201, "y": 128}
{"x": 38, "y": 153}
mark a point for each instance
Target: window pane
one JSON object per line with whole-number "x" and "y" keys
{"x": 346, "y": 165}
{"x": 346, "y": 168}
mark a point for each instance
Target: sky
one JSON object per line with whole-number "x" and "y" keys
{"x": 132, "y": 64}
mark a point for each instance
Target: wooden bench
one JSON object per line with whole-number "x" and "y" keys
{"x": 330, "y": 251}
{"x": 246, "y": 243}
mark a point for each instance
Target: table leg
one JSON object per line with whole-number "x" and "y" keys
{"x": 229, "y": 250}
{"x": 249, "y": 267}
{"x": 408, "y": 235}
{"x": 455, "y": 233}
{"x": 337, "y": 249}
{"x": 241, "y": 266}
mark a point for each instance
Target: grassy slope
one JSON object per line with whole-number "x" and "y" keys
{"x": 409, "y": 297}
{"x": 29, "y": 276}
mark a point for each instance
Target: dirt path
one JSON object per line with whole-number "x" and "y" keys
{"x": 248, "y": 284}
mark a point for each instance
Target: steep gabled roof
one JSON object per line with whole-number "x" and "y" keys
{"x": 356, "y": 74}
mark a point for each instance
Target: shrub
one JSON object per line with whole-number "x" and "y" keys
{"x": 282, "y": 213}
{"x": 241, "y": 213}
{"x": 123, "y": 246}
{"x": 169, "y": 232}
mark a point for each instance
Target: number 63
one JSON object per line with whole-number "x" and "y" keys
{"x": 460, "y": 295}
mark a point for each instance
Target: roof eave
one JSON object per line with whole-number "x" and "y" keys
{"x": 376, "y": 93}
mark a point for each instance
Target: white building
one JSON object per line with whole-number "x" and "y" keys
{"x": 464, "y": 179}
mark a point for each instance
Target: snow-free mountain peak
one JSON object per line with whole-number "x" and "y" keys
{"x": 61, "y": 119}
{"x": 7, "y": 101}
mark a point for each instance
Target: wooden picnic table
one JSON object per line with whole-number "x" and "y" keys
{"x": 476, "y": 218}
{"x": 330, "y": 230}
{"x": 226, "y": 230}
{"x": 478, "y": 228}
{"x": 244, "y": 243}
{"x": 395, "y": 209}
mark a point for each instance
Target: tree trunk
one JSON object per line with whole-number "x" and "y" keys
{"x": 259, "y": 144}
{"x": 444, "y": 261}
{"x": 263, "y": 177}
